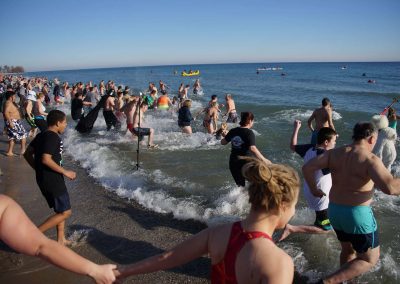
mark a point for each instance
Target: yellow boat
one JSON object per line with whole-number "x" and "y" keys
{"x": 193, "y": 73}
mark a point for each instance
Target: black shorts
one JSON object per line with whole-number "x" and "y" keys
{"x": 140, "y": 131}
{"x": 60, "y": 203}
{"x": 360, "y": 242}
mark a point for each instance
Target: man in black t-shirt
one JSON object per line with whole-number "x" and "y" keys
{"x": 44, "y": 155}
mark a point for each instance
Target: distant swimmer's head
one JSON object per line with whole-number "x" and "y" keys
{"x": 380, "y": 121}
{"x": 365, "y": 131}
{"x": 246, "y": 118}
{"x": 273, "y": 188}
{"x": 213, "y": 97}
{"x": 326, "y": 102}
{"x": 326, "y": 138}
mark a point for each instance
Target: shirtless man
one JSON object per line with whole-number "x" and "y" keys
{"x": 322, "y": 117}
{"x": 230, "y": 109}
{"x": 15, "y": 129}
{"x": 355, "y": 170}
{"x": 129, "y": 110}
{"x": 211, "y": 118}
{"x": 108, "y": 113}
{"x": 141, "y": 131}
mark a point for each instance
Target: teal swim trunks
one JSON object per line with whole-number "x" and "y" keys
{"x": 354, "y": 224}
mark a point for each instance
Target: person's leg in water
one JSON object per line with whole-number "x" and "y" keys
{"x": 354, "y": 264}
{"x": 150, "y": 141}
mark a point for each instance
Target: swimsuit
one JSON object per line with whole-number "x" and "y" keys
{"x": 224, "y": 271}
{"x": 393, "y": 124}
{"x": 232, "y": 117}
{"x": 354, "y": 224}
{"x": 17, "y": 132}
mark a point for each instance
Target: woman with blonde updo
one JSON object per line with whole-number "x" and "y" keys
{"x": 241, "y": 252}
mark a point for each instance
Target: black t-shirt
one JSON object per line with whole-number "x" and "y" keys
{"x": 76, "y": 108}
{"x": 49, "y": 181}
{"x": 241, "y": 139}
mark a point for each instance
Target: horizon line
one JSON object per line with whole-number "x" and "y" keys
{"x": 223, "y": 63}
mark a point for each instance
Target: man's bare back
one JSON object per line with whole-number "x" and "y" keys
{"x": 350, "y": 167}
{"x": 322, "y": 117}
{"x": 355, "y": 170}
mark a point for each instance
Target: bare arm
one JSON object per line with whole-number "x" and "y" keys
{"x": 48, "y": 161}
{"x": 310, "y": 120}
{"x": 186, "y": 251}
{"x": 258, "y": 154}
{"x": 382, "y": 177}
{"x": 309, "y": 169}
{"x": 29, "y": 156}
{"x": 296, "y": 128}
{"x": 17, "y": 231}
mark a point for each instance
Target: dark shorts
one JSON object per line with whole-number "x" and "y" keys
{"x": 183, "y": 123}
{"x": 60, "y": 203}
{"x": 232, "y": 117}
{"x": 322, "y": 220}
{"x": 354, "y": 224}
{"x": 360, "y": 242}
{"x": 140, "y": 131}
{"x": 314, "y": 136}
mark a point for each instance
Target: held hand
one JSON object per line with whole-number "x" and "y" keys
{"x": 70, "y": 174}
{"x": 104, "y": 274}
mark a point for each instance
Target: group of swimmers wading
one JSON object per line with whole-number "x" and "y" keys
{"x": 339, "y": 186}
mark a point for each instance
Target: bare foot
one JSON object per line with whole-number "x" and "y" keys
{"x": 286, "y": 232}
{"x": 10, "y": 154}
{"x": 154, "y": 146}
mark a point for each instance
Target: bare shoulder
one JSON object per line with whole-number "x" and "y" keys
{"x": 276, "y": 265}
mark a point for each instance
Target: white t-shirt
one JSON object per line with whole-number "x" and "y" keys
{"x": 322, "y": 177}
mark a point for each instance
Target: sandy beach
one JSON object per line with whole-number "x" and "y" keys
{"x": 105, "y": 228}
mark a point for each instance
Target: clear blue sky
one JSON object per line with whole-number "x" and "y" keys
{"x": 73, "y": 34}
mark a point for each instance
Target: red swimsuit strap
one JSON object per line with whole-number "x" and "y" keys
{"x": 237, "y": 239}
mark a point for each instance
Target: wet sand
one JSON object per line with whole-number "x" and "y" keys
{"x": 106, "y": 229}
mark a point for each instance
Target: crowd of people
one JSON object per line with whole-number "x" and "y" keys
{"x": 338, "y": 182}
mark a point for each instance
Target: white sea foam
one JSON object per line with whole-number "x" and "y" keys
{"x": 292, "y": 114}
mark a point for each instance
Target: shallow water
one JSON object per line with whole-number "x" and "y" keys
{"x": 189, "y": 176}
